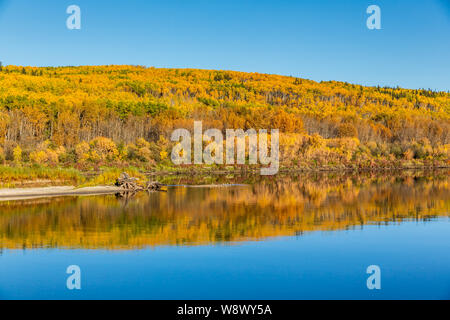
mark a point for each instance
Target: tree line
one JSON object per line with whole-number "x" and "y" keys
{"x": 72, "y": 115}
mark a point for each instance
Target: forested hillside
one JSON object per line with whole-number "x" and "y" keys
{"x": 120, "y": 115}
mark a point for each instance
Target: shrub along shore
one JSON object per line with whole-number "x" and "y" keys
{"x": 38, "y": 176}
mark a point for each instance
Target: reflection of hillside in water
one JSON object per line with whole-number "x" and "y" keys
{"x": 279, "y": 206}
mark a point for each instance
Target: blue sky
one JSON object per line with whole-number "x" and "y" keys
{"x": 319, "y": 40}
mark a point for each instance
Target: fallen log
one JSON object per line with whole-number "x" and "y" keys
{"x": 128, "y": 183}
{"x": 154, "y": 186}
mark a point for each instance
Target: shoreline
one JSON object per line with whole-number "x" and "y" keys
{"x": 26, "y": 193}
{"x": 15, "y": 194}
{"x": 12, "y": 194}
{"x": 255, "y": 171}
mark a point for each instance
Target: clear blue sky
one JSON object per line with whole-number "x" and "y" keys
{"x": 316, "y": 39}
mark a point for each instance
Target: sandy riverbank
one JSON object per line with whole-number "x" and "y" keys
{"x": 45, "y": 192}
{"x": 32, "y": 193}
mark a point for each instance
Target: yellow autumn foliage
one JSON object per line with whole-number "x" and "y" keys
{"x": 109, "y": 114}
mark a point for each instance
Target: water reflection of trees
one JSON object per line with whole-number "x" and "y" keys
{"x": 270, "y": 207}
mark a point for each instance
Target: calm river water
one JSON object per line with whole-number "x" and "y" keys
{"x": 306, "y": 236}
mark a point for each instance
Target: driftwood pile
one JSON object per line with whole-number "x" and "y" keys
{"x": 154, "y": 186}
{"x": 130, "y": 184}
